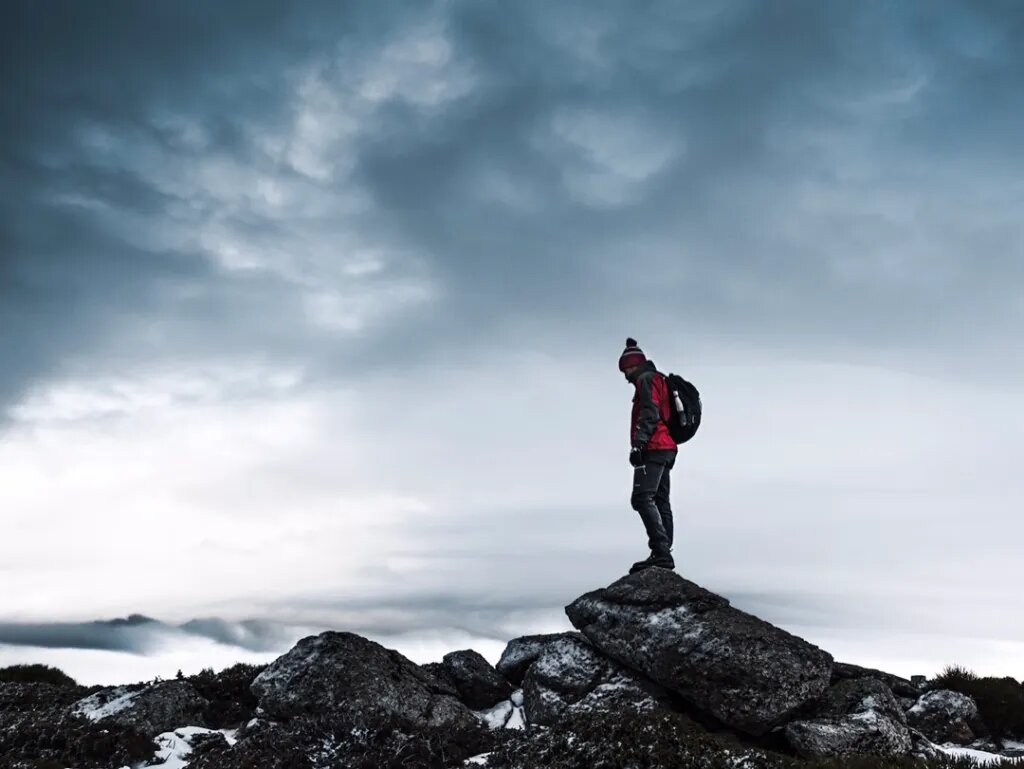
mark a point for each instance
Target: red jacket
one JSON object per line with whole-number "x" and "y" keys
{"x": 651, "y": 410}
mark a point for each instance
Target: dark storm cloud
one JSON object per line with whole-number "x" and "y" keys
{"x": 830, "y": 177}
{"x": 67, "y": 283}
{"x": 709, "y": 234}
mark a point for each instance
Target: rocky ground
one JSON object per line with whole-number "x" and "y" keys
{"x": 660, "y": 673}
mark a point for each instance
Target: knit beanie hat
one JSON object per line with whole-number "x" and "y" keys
{"x": 631, "y": 356}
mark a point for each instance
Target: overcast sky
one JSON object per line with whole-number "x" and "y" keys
{"x": 310, "y": 314}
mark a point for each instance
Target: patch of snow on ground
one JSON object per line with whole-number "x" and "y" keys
{"x": 517, "y": 720}
{"x": 869, "y": 703}
{"x": 175, "y": 747}
{"x": 869, "y": 717}
{"x": 480, "y": 760}
{"x": 505, "y": 715}
{"x": 741, "y": 760}
{"x": 105, "y": 703}
{"x": 496, "y": 717}
{"x": 977, "y": 756}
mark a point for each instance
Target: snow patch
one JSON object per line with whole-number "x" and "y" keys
{"x": 175, "y": 748}
{"x": 106, "y": 703}
{"x": 505, "y": 715}
{"x": 517, "y": 720}
{"x": 977, "y": 756}
{"x": 496, "y": 717}
{"x": 478, "y": 760}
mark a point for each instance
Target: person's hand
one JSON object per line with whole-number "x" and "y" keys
{"x": 636, "y": 456}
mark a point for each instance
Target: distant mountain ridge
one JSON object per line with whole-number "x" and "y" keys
{"x": 139, "y": 632}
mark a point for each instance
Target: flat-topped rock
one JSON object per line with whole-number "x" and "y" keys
{"x": 745, "y": 672}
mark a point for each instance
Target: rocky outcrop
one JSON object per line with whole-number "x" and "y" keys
{"x": 521, "y": 652}
{"x": 346, "y": 672}
{"x": 151, "y": 710}
{"x": 663, "y": 673}
{"x": 571, "y": 677}
{"x": 478, "y": 684}
{"x": 946, "y": 716}
{"x": 743, "y": 671}
{"x": 855, "y": 716}
{"x": 37, "y": 728}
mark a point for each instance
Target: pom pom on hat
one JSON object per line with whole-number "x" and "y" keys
{"x": 631, "y": 356}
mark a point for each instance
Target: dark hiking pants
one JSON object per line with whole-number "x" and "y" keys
{"x": 650, "y": 498}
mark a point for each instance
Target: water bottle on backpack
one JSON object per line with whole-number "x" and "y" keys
{"x": 686, "y": 408}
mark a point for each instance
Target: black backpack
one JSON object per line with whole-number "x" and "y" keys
{"x": 685, "y": 408}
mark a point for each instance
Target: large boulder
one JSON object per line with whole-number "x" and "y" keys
{"x": 901, "y": 687}
{"x": 570, "y": 677}
{"x": 441, "y": 675}
{"x": 151, "y": 710}
{"x": 943, "y": 716}
{"x": 348, "y": 672}
{"x": 745, "y": 672}
{"x": 478, "y": 684}
{"x": 855, "y": 716}
{"x": 522, "y": 652}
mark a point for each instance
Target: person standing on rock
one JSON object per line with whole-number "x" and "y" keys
{"x": 652, "y": 454}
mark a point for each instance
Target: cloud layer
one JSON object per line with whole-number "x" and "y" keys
{"x": 308, "y": 313}
{"x": 294, "y": 182}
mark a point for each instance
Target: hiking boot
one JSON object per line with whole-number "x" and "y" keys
{"x": 646, "y": 563}
{"x": 662, "y": 561}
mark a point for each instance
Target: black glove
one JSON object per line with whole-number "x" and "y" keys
{"x": 636, "y": 456}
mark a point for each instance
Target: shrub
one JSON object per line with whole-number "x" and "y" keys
{"x": 953, "y": 676}
{"x": 662, "y": 740}
{"x": 38, "y": 731}
{"x": 339, "y": 739}
{"x": 36, "y": 674}
{"x": 638, "y": 740}
{"x": 231, "y": 701}
{"x": 1000, "y": 700}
